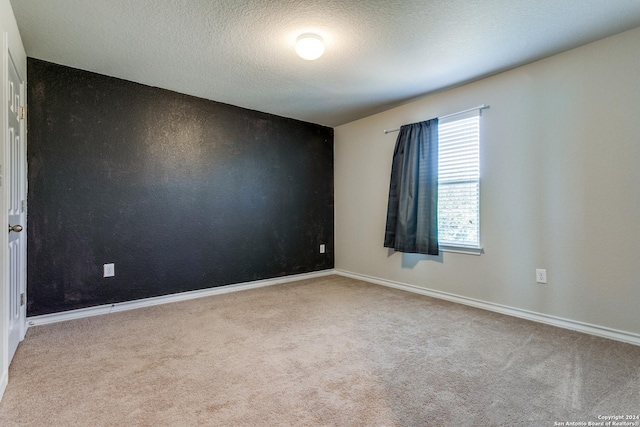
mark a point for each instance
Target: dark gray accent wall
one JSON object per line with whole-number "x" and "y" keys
{"x": 181, "y": 193}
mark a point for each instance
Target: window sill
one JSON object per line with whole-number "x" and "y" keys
{"x": 467, "y": 250}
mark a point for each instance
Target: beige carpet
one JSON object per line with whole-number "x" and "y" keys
{"x": 329, "y": 351}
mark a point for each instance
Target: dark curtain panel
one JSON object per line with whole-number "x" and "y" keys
{"x": 412, "y": 214}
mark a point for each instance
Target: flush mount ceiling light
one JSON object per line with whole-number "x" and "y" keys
{"x": 309, "y": 46}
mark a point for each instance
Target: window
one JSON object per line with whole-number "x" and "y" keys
{"x": 459, "y": 182}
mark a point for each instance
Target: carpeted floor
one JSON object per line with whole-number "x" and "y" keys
{"x": 330, "y": 351}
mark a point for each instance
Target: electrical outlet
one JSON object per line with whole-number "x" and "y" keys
{"x": 322, "y": 249}
{"x": 109, "y": 270}
{"x": 541, "y": 275}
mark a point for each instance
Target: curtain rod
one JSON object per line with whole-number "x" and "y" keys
{"x": 479, "y": 107}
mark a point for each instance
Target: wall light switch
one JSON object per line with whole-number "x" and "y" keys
{"x": 541, "y": 275}
{"x": 322, "y": 249}
{"x": 109, "y": 270}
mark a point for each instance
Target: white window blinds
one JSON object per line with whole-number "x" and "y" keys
{"x": 459, "y": 180}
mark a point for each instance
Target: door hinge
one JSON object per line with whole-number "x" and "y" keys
{"x": 21, "y": 113}
{"x": 21, "y": 299}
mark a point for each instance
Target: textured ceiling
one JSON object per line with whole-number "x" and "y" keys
{"x": 379, "y": 53}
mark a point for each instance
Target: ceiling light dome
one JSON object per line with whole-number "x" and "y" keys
{"x": 309, "y": 46}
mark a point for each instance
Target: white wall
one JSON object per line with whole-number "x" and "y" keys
{"x": 8, "y": 29}
{"x": 560, "y": 188}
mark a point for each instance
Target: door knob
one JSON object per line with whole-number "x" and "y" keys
{"x": 16, "y": 228}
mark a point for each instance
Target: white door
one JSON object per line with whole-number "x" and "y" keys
{"x": 16, "y": 180}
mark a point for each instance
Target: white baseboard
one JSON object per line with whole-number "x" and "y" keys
{"x": 3, "y": 383}
{"x": 601, "y": 331}
{"x": 165, "y": 299}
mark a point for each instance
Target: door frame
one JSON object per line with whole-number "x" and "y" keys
{"x": 4, "y": 217}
